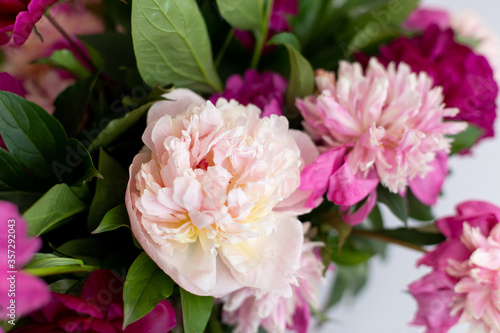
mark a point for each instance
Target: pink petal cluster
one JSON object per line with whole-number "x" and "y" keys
{"x": 464, "y": 283}
{"x": 386, "y": 126}
{"x": 265, "y": 90}
{"x": 213, "y": 198}
{"x": 43, "y": 83}
{"x": 467, "y": 26}
{"x": 19, "y": 17}
{"x": 30, "y": 292}
{"x": 249, "y": 308}
{"x": 98, "y": 309}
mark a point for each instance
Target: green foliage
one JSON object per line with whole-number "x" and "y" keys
{"x": 65, "y": 59}
{"x": 413, "y": 236}
{"x": 56, "y": 207}
{"x": 195, "y": 311}
{"x": 466, "y": 139}
{"x": 171, "y": 45}
{"x": 46, "y": 264}
{"x": 349, "y": 253}
{"x": 417, "y": 209}
{"x": 394, "y": 202}
{"x": 109, "y": 191}
{"x": 114, "y": 219}
{"x": 349, "y": 281}
{"x": 242, "y": 14}
{"x": 146, "y": 285}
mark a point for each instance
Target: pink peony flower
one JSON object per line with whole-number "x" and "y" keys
{"x": 467, "y": 27}
{"x": 264, "y": 90}
{"x": 216, "y": 187}
{"x": 383, "y": 126}
{"x": 98, "y": 309}
{"x": 464, "y": 283}
{"x": 31, "y": 293}
{"x": 466, "y": 77}
{"x": 43, "y": 83}
{"x": 19, "y": 17}
{"x": 249, "y": 308}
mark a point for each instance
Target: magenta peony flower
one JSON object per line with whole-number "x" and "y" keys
{"x": 465, "y": 280}
{"x": 98, "y": 309}
{"x": 216, "y": 187}
{"x": 466, "y": 78}
{"x": 263, "y": 90}
{"x": 29, "y": 292}
{"x": 278, "y": 23}
{"x": 385, "y": 126}
{"x": 19, "y": 17}
{"x": 249, "y": 308}
{"x": 43, "y": 83}
{"x": 423, "y": 17}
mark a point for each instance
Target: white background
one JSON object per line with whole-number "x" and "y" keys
{"x": 385, "y": 306}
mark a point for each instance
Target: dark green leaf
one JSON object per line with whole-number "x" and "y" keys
{"x": 195, "y": 311}
{"x": 146, "y": 285}
{"x": 418, "y": 210}
{"x": 72, "y": 103}
{"x": 74, "y": 165}
{"x": 413, "y": 236}
{"x": 285, "y": 38}
{"x": 88, "y": 249}
{"x": 376, "y": 218}
{"x": 466, "y": 139}
{"x": 114, "y": 219}
{"x": 171, "y": 45}
{"x": 109, "y": 191}
{"x": 56, "y": 207}
{"x": 119, "y": 11}
{"x": 117, "y": 127}
{"x": 13, "y": 177}
{"x": 32, "y": 136}
{"x": 23, "y": 200}
{"x": 394, "y": 202}
{"x": 301, "y": 82}
{"x": 242, "y": 14}
{"x": 348, "y": 254}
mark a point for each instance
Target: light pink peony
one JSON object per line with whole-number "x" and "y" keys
{"x": 464, "y": 283}
{"x": 31, "y": 293}
{"x": 383, "y": 126}
{"x": 213, "y": 196}
{"x": 43, "y": 83}
{"x": 249, "y": 308}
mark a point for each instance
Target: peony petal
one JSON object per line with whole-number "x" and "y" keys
{"x": 427, "y": 189}
{"x": 160, "y": 320}
{"x": 179, "y": 101}
{"x": 347, "y": 189}
{"x": 362, "y": 213}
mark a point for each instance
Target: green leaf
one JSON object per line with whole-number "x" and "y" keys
{"x": 54, "y": 208}
{"x": 301, "y": 82}
{"x": 116, "y": 50}
{"x": 109, "y": 191}
{"x": 376, "y": 218}
{"x": 196, "y": 311}
{"x": 394, "y": 202}
{"x": 23, "y": 200}
{"x": 114, "y": 219}
{"x": 119, "y": 12}
{"x": 46, "y": 264}
{"x": 32, "y": 136}
{"x": 66, "y": 60}
{"x": 418, "y": 210}
{"x": 348, "y": 254}
{"x": 349, "y": 280}
{"x": 242, "y": 14}
{"x": 88, "y": 249}
{"x": 13, "y": 177}
{"x": 171, "y": 45}
{"x": 413, "y": 236}
{"x": 146, "y": 285}
{"x": 118, "y": 127}
{"x": 285, "y": 38}
{"x": 71, "y": 104}
{"x": 466, "y": 139}
{"x": 86, "y": 169}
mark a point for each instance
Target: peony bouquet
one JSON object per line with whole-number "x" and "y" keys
{"x": 201, "y": 165}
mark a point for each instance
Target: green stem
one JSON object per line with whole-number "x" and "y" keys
{"x": 387, "y": 239}
{"x": 224, "y": 48}
{"x": 48, "y": 271}
{"x": 261, "y": 37}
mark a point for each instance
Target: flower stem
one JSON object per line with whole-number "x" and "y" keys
{"x": 224, "y": 48}
{"x": 48, "y": 271}
{"x": 262, "y": 35}
{"x": 387, "y": 239}
{"x": 70, "y": 40}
